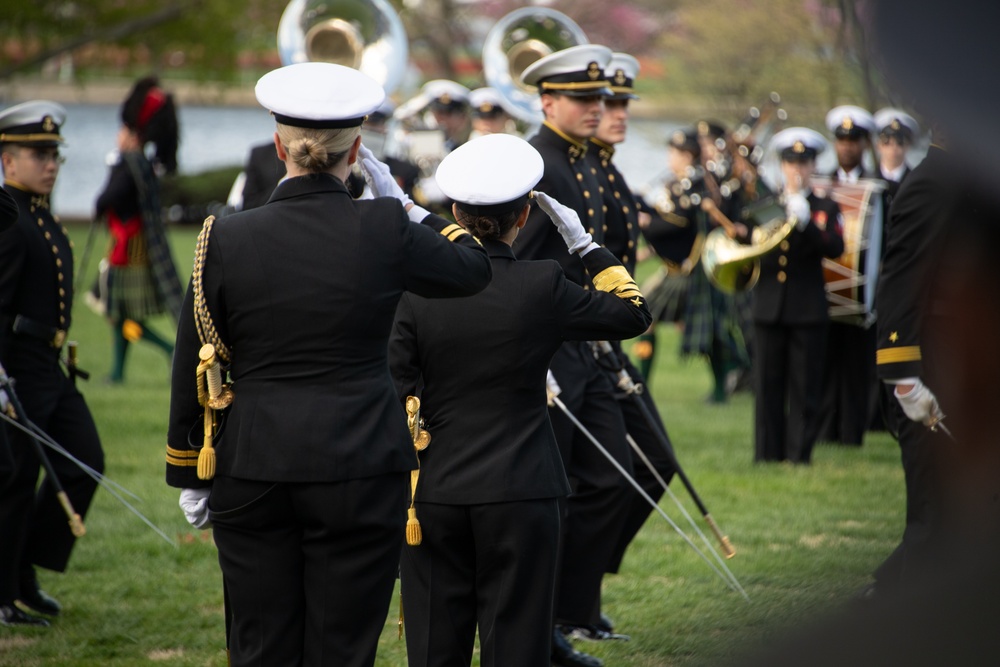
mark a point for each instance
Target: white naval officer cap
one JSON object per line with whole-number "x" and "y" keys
{"x": 890, "y": 122}
{"x": 849, "y": 122}
{"x": 445, "y": 94}
{"x": 319, "y": 95}
{"x": 490, "y": 175}
{"x": 621, "y": 73}
{"x": 34, "y": 123}
{"x": 485, "y": 101}
{"x": 577, "y": 71}
{"x": 797, "y": 144}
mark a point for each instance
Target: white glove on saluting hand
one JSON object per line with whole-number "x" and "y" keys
{"x": 797, "y": 206}
{"x": 378, "y": 177}
{"x": 194, "y": 503}
{"x": 919, "y": 403}
{"x": 568, "y": 224}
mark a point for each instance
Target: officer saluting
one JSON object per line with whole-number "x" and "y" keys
{"x": 298, "y": 297}
{"x": 790, "y": 310}
{"x": 36, "y": 305}
{"x": 490, "y": 478}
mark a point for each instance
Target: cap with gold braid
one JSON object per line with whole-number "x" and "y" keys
{"x": 849, "y": 122}
{"x": 798, "y": 144}
{"x": 34, "y": 123}
{"x": 577, "y": 71}
{"x": 894, "y": 123}
{"x": 621, "y": 73}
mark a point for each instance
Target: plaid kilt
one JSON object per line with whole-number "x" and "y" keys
{"x": 666, "y": 295}
{"x": 131, "y": 293}
{"x": 711, "y": 317}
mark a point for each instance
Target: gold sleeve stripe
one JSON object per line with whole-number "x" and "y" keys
{"x": 453, "y": 231}
{"x": 616, "y": 280}
{"x": 897, "y": 355}
{"x": 182, "y": 463}
{"x": 181, "y": 453}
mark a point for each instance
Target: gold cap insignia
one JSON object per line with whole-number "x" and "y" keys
{"x": 593, "y": 71}
{"x": 486, "y": 107}
{"x": 847, "y": 123}
{"x": 799, "y": 147}
{"x": 702, "y": 127}
{"x": 445, "y": 98}
{"x": 894, "y": 124}
{"x": 620, "y": 78}
{"x": 48, "y": 124}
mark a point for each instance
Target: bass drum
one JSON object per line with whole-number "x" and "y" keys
{"x": 851, "y": 279}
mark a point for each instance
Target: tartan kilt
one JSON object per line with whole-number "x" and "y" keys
{"x": 131, "y": 293}
{"x": 711, "y": 317}
{"x": 666, "y": 295}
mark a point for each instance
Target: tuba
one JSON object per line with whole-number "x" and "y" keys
{"x": 735, "y": 267}
{"x": 367, "y": 35}
{"x": 517, "y": 40}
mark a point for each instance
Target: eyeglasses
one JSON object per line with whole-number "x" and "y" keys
{"x": 44, "y": 158}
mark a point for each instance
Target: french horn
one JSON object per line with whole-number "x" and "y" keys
{"x": 517, "y": 40}
{"x": 367, "y": 35}
{"x": 735, "y": 267}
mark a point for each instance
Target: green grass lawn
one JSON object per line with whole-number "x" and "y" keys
{"x": 806, "y": 537}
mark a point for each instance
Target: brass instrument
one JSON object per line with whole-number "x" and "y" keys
{"x": 367, "y": 35}
{"x": 517, "y": 40}
{"x": 735, "y": 267}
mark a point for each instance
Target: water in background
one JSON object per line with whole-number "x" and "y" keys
{"x": 213, "y": 137}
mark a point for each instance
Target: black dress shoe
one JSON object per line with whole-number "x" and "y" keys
{"x": 591, "y": 633}
{"x": 35, "y": 599}
{"x": 605, "y": 623}
{"x": 564, "y": 655}
{"x": 12, "y": 616}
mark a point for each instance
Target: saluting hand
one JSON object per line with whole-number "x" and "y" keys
{"x": 797, "y": 206}
{"x": 378, "y": 177}
{"x": 568, "y": 224}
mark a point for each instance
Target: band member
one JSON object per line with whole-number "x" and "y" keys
{"x": 572, "y": 86}
{"x": 790, "y": 308}
{"x": 380, "y": 124}
{"x": 310, "y": 467}
{"x": 896, "y": 130}
{"x": 486, "y": 496}
{"x": 621, "y": 234}
{"x": 140, "y": 280}
{"x": 36, "y": 305}
{"x": 850, "y": 387}
{"x": 919, "y": 218}
{"x": 449, "y": 104}
{"x": 488, "y": 115}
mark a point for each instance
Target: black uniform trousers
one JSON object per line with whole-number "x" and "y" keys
{"x": 918, "y": 448}
{"x": 596, "y": 508}
{"x": 652, "y": 445}
{"x": 788, "y": 367}
{"x": 31, "y": 518}
{"x": 277, "y": 545}
{"x": 471, "y": 570}
{"x": 848, "y": 381}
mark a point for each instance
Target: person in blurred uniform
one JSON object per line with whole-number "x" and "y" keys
{"x": 850, "y": 386}
{"x": 380, "y": 124}
{"x": 896, "y": 131}
{"x": 489, "y": 484}
{"x": 449, "y": 104}
{"x": 307, "y": 483}
{"x": 572, "y": 86}
{"x": 790, "y": 308}
{"x": 621, "y": 234}
{"x": 141, "y": 280}
{"x": 36, "y": 307}
{"x": 488, "y": 115}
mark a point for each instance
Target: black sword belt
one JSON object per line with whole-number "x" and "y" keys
{"x": 25, "y": 326}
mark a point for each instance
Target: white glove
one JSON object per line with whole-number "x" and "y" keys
{"x": 194, "y": 503}
{"x": 797, "y": 206}
{"x": 568, "y": 224}
{"x": 378, "y": 177}
{"x": 919, "y": 404}
{"x": 552, "y": 388}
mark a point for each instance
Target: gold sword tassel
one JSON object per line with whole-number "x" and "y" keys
{"x": 421, "y": 438}
{"x": 213, "y": 395}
